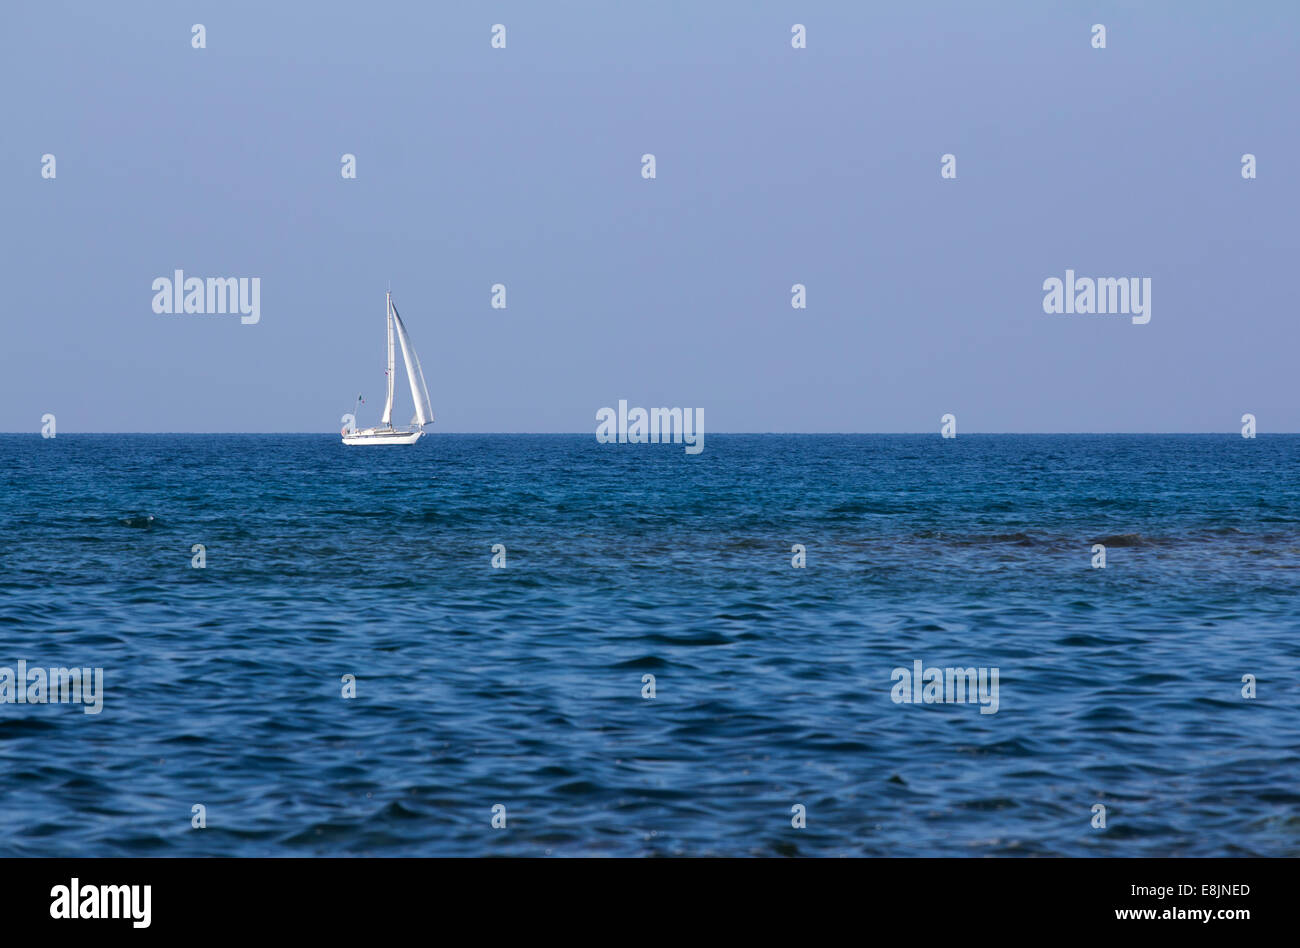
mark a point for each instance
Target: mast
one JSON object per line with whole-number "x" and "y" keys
{"x": 388, "y": 402}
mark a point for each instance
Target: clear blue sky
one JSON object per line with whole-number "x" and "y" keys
{"x": 775, "y": 166}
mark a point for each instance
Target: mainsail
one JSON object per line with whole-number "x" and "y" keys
{"x": 420, "y": 394}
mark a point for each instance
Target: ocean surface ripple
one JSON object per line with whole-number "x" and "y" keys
{"x": 522, "y": 686}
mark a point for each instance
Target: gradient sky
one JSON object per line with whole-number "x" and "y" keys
{"x": 775, "y": 166}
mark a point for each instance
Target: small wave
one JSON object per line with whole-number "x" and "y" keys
{"x": 25, "y": 727}
{"x": 1019, "y": 538}
{"x": 704, "y": 638}
{"x": 646, "y": 661}
{"x": 1122, "y": 539}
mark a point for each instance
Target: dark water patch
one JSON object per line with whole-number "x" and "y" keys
{"x": 1122, "y": 540}
{"x": 697, "y": 639}
{"x": 11, "y": 728}
{"x": 989, "y": 804}
{"x": 645, "y": 662}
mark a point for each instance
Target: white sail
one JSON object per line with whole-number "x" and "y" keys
{"x": 420, "y": 393}
{"x": 388, "y": 402}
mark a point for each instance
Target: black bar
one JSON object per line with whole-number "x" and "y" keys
{"x": 341, "y": 897}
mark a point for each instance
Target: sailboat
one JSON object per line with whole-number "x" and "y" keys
{"x": 384, "y": 432}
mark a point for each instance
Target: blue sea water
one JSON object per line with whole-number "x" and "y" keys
{"x": 522, "y": 686}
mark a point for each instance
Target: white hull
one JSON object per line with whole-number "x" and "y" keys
{"x": 382, "y": 436}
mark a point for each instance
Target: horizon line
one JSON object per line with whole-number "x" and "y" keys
{"x": 967, "y": 434}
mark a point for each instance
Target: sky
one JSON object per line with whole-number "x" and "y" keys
{"x": 774, "y": 166}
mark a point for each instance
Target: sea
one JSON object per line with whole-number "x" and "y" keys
{"x": 542, "y": 645}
